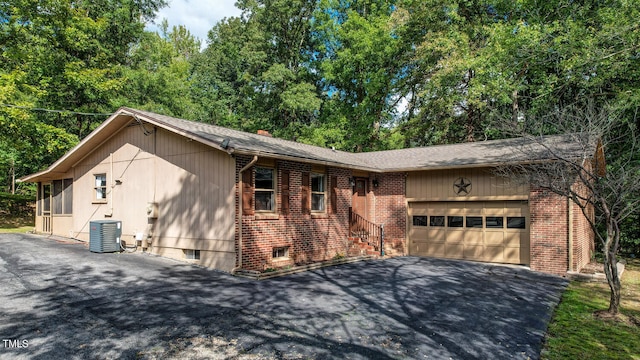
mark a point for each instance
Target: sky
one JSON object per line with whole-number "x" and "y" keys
{"x": 198, "y": 16}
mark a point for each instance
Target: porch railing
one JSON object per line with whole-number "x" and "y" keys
{"x": 46, "y": 223}
{"x": 371, "y": 233}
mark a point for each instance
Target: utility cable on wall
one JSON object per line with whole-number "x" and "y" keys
{"x": 55, "y": 111}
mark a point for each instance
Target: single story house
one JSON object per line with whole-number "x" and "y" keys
{"x": 233, "y": 200}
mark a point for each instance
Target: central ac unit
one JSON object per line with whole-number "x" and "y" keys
{"x": 104, "y": 236}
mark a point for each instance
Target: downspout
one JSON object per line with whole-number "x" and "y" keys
{"x": 113, "y": 185}
{"x": 240, "y": 191}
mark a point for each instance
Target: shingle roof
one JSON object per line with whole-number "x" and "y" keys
{"x": 243, "y": 142}
{"x": 483, "y": 153}
{"x": 476, "y": 154}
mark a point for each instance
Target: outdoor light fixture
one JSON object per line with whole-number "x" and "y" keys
{"x": 376, "y": 183}
{"x": 352, "y": 182}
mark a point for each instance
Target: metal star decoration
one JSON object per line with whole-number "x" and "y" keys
{"x": 462, "y": 186}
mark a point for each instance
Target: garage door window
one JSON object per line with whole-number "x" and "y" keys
{"x": 419, "y": 220}
{"x": 516, "y": 222}
{"x": 474, "y": 221}
{"x": 478, "y": 222}
{"x": 436, "y": 221}
{"x": 455, "y": 221}
{"x": 495, "y": 222}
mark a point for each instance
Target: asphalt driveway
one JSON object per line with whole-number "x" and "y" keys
{"x": 59, "y": 301}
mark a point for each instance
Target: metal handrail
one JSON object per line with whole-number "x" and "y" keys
{"x": 367, "y": 231}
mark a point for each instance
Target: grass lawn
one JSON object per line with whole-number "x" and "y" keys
{"x": 16, "y": 225}
{"x": 575, "y": 332}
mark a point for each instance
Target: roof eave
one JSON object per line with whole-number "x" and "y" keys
{"x": 71, "y": 157}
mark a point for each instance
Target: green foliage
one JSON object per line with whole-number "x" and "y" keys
{"x": 157, "y": 76}
{"x": 63, "y": 55}
{"x": 519, "y": 60}
{"x": 26, "y": 145}
{"x": 255, "y": 73}
{"x": 362, "y": 63}
{"x": 630, "y": 239}
{"x": 71, "y": 51}
{"x": 16, "y": 205}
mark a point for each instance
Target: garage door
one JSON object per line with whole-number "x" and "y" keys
{"x": 491, "y": 231}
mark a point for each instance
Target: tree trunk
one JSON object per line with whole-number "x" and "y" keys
{"x": 610, "y": 265}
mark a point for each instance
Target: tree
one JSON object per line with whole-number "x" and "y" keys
{"x": 71, "y": 51}
{"x": 60, "y": 61}
{"x": 476, "y": 62}
{"x": 157, "y": 77}
{"x": 603, "y": 179}
{"x": 255, "y": 73}
{"x": 26, "y": 145}
{"x": 362, "y": 59}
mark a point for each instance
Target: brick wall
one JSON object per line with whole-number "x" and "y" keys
{"x": 309, "y": 237}
{"x": 390, "y": 209}
{"x": 549, "y": 232}
{"x": 583, "y": 236}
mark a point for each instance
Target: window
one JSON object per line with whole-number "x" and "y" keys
{"x": 495, "y": 222}
{"x": 265, "y": 189}
{"x": 101, "y": 187}
{"x": 57, "y": 197}
{"x": 455, "y": 221}
{"x": 280, "y": 252}
{"x": 67, "y": 194}
{"x": 436, "y": 221}
{"x": 474, "y": 221}
{"x": 190, "y": 254}
{"x": 46, "y": 199}
{"x": 419, "y": 220}
{"x": 62, "y": 196}
{"x": 317, "y": 192}
{"x": 516, "y": 222}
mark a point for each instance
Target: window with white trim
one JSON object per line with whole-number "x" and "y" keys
{"x": 100, "y": 187}
{"x": 318, "y": 192}
{"x": 265, "y": 193}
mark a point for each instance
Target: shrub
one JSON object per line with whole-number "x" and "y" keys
{"x": 17, "y": 205}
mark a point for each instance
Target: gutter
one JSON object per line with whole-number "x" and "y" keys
{"x": 240, "y": 190}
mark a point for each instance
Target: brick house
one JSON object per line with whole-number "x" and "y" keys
{"x": 232, "y": 200}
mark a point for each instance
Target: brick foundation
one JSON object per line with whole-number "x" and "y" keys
{"x": 309, "y": 237}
